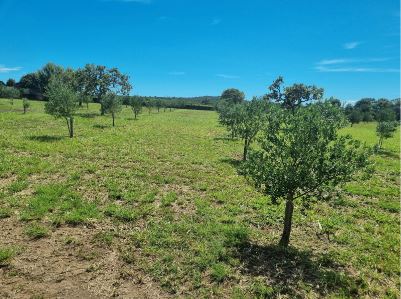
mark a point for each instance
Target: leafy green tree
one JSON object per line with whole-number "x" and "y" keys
{"x": 136, "y": 105}
{"x": 25, "y": 104}
{"x": 251, "y": 119}
{"x": 97, "y": 81}
{"x": 334, "y": 101}
{"x": 158, "y": 104}
{"x": 36, "y": 83}
{"x": 9, "y": 93}
{"x": 230, "y": 116}
{"x": 385, "y": 130}
{"x": 148, "y": 105}
{"x": 293, "y": 96}
{"x": 62, "y": 101}
{"x": 112, "y": 104}
{"x": 301, "y": 156}
{"x": 232, "y": 96}
{"x": 11, "y": 82}
{"x": 355, "y": 117}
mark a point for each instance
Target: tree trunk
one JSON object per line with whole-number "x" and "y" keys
{"x": 24, "y": 110}
{"x": 112, "y": 115}
{"x": 71, "y": 127}
{"x": 289, "y": 208}
{"x": 246, "y": 145}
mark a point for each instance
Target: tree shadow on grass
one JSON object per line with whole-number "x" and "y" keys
{"x": 88, "y": 115}
{"x": 97, "y": 126}
{"x": 288, "y": 270}
{"x": 233, "y": 162}
{"x": 224, "y": 138}
{"x": 46, "y": 138}
{"x": 387, "y": 154}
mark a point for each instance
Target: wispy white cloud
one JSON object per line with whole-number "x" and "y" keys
{"x": 4, "y": 69}
{"x": 351, "y": 45}
{"x": 354, "y": 65}
{"x": 351, "y": 60}
{"x": 326, "y": 69}
{"x": 225, "y": 76}
{"x": 215, "y": 21}
{"x": 175, "y": 73}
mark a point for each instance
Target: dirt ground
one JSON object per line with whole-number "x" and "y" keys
{"x": 68, "y": 265}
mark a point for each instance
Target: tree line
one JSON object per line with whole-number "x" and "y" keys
{"x": 93, "y": 82}
{"x": 299, "y": 157}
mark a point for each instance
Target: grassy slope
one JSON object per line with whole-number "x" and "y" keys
{"x": 182, "y": 214}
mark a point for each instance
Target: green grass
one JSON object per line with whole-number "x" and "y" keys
{"x": 6, "y": 255}
{"x": 190, "y": 220}
{"x": 36, "y": 231}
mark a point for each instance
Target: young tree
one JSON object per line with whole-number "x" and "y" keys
{"x": 385, "y": 130}
{"x": 62, "y": 101}
{"x": 232, "y": 96}
{"x": 148, "y": 104}
{"x": 230, "y": 116}
{"x": 251, "y": 119}
{"x": 301, "y": 155}
{"x": 112, "y": 104}
{"x": 136, "y": 105}
{"x": 25, "y": 104}
{"x": 158, "y": 105}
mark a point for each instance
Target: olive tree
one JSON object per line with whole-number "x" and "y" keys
{"x": 385, "y": 130}
{"x": 230, "y": 116}
{"x": 62, "y": 101}
{"x": 136, "y": 105}
{"x": 25, "y": 104}
{"x": 302, "y": 155}
{"x": 251, "y": 119}
{"x": 112, "y": 104}
{"x": 158, "y": 104}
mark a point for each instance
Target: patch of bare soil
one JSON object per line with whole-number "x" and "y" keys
{"x": 67, "y": 264}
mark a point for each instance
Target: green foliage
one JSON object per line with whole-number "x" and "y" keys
{"x": 232, "y": 96}
{"x": 355, "y": 117}
{"x": 136, "y": 104}
{"x": 25, "y": 104}
{"x": 217, "y": 217}
{"x": 9, "y": 92}
{"x": 62, "y": 101}
{"x": 302, "y": 154}
{"x": 252, "y": 116}
{"x": 98, "y": 81}
{"x": 294, "y": 96}
{"x": 385, "y": 130}
{"x": 230, "y": 116}
{"x": 112, "y": 104}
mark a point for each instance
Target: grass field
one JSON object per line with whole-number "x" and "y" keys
{"x": 155, "y": 207}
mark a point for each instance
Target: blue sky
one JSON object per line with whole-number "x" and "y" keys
{"x": 191, "y": 48}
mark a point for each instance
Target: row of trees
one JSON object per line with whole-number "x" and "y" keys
{"x": 300, "y": 156}
{"x": 93, "y": 82}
